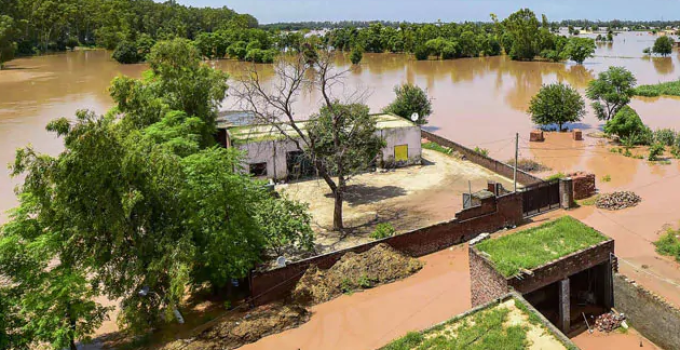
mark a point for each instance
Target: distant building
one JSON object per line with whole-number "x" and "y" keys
{"x": 270, "y": 154}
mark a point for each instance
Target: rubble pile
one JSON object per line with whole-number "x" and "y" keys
{"x": 618, "y": 200}
{"x": 610, "y": 321}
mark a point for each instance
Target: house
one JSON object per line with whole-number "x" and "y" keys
{"x": 271, "y": 154}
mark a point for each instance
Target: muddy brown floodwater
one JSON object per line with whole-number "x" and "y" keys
{"x": 477, "y": 102}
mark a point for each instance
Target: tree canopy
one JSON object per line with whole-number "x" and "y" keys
{"x": 139, "y": 206}
{"x": 663, "y": 46}
{"x": 626, "y": 124}
{"x": 410, "y": 99}
{"x": 556, "y": 104}
{"x": 611, "y": 91}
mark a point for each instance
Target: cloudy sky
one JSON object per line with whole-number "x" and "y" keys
{"x": 268, "y": 11}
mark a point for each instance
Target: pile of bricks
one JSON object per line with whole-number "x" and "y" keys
{"x": 584, "y": 185}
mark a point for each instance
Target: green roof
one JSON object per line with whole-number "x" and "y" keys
{"x": 267, "y": 132}
{"x": 537, "y": 246}
{"x": 509, "y": 322}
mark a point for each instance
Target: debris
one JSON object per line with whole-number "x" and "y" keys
{"x": 618, "y": 200}
{"x": 380, "y": 264}
{"x": 610, "y": 321}
{"x": 479, "y": 238}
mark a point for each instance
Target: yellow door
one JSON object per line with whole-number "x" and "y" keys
{"x": 401, "y": 153}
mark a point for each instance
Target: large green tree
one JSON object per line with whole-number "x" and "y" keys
{"x": 7, "y": 34}
{"x": 579, "y": 49}
{"x": 523, "y": 27}
{"x": 410, "y": 99}
{"x": 556, "y": 104}
{"x": 611, "y": 91}
{"x": 663, "y": 46}
{"x": 627, "y": 124}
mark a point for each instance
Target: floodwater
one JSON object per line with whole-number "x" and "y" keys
{"x": 478, "y": 102}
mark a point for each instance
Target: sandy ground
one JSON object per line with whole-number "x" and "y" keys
{"x": 408, "y": 198}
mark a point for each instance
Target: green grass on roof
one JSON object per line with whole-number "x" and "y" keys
{"x": 537, "y": 246}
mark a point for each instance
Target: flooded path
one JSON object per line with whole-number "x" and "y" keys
{"x": 371, "y": 319}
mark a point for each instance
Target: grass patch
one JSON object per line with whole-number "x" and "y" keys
{"x": 555, "y": 177}
{"x": 481, "y": 330}
{"x": 669, "y": 244}
{"x": 606, "y": 178}
{"x": 671, "y": 88}
{"x": 536, "y": 246}
{"x": 588, "y": 201}
{"x": 437, "y": 147}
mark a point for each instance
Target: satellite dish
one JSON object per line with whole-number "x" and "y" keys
{"x": 144, "y": 291}
{"x": 415, "y": 117}
{"x": 281, "y": 261}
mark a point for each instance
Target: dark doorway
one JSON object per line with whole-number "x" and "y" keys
{"x": 298, "y": 165}
{"x": 258, "y": 169}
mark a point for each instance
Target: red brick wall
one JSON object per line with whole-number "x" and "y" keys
{"x": 562, "y": 268}
{"x": 584, "y": 185}
{"x": 486, "y": 284}
{"x": 489, "y": 163}
{"x": 494, "y": 214}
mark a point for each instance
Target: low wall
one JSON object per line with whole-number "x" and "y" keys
{"x": 489, "y": 163}
{"x": 486, "y": 284}
{"x": 495, "y": 213}
{"x": 652, "y": 316}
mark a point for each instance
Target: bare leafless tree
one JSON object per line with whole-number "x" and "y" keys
{"x": 273, "y": 103}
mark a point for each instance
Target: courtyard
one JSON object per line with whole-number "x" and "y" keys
{"x": 407, "y": 198}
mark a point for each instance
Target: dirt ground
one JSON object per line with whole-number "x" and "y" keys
{"x": 407, "y": 198}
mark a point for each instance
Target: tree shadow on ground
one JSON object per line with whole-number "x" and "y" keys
{"x": 363, "y": 194}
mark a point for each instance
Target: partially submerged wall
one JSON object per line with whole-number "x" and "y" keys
{"x": 652, "y": 316}
{"x": 583, "y": 184}
{"x": 484, "y": 161}
{"x": 495, "y": 213}
{"x": 486, "y": 284}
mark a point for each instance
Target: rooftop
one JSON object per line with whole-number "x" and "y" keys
{"x": 537, "y": 246}
{"x": 240, "y": 133}
{"x": 511, "y": 323}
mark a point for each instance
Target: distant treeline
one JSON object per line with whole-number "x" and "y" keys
{"x": 38, "y": 26}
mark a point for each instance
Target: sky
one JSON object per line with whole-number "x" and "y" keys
{"x": 270, "y": 11}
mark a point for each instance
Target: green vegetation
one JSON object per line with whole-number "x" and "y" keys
{"x": 655, "y": 151}
{"x": 537, "y": 246}
{"x": 588, "y": 201}
{"x": 606, "y": 178}
{"x": 356, "y": 56}
{"x": 628, "y": 126}
{"x": 671, "y": 88}
{"x": 663, "y": 46}
{"x": 7, "y": 36}
{"x": 579, "y": 49}
{"x": 557, "y": 104}
{"x": 482, "y": 151}
{"x": 437, "y": 147}
{"x": 669, "y": 244}
{"x": 557, "y": 176}
{"x": 410, "y": 99}
{"x": 611, "y": 91}
{"x": 383, "y": 230}
{"x": 484, "y": 329}
{"x": 140, "y": 207}
{"x": 666, "y": 137}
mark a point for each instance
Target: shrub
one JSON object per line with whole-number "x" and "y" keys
{"x": 555, "y": 177}
{"x": 665, "y": 137}
{"x": 627, "y": 124}
{"x": 607, "y": 178}
{"x": 126, "y": 53}
{"x": 237, "y": 50}
{"x": 422, "y": 53}
{"x": 410, "y": 99}
{"x": 669, "y": 244}
{"x": 383, "y": 230}
{"x": 655, "y": 151}
{"x": 482, "y": 151}
{"x": 356, "y": 56}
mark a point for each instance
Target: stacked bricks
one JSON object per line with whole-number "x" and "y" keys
{"x": 583, "y": 184}
{"x": 536, "y": 136}
{"x": 577, "y": 134}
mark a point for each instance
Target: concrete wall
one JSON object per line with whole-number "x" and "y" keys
{"x": 492, "y": 215}
{"x": 401, "y": 136}
{"x": 562, "y": 268}
{"x": 489, "y": 163}
{"x": 652, "y": 316}
{"x": 272, "y": 152}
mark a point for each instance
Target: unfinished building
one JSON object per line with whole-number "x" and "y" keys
{"x": 563, "y": 268}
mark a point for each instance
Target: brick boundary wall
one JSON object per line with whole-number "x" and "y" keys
{"x": 650, "y": 314}
{"x": 484, "y": 161}
{"x": 486, "y": 283}
{"x": 495, "y": 213}
{"x": 584, "y": 185}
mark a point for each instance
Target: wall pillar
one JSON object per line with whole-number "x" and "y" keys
{"x": 566, "y": 193}
{"x": 608, "y": 278}
{"x": 565, "y": 306}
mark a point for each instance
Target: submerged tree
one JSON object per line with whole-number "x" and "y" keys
{"x": 579, "y": 49}
{"x": 557, "y": 104}
{"x": 611, "y": 91}
{"x": 410, "y": 99}
{"x": 7, "y": 44}
{"x": 523, "y": 27}
{"x": 663, "y": 46}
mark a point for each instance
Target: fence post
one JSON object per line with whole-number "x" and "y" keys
{"x": 566, "y": 193}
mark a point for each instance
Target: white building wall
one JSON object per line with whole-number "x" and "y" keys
{"x": 274, "y": 152}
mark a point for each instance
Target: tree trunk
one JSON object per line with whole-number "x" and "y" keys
{"x": 73, "y": 345}
{"x": 337, "y": 211}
